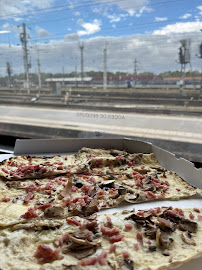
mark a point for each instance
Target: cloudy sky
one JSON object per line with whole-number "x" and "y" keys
{"x": 147, "y": 30}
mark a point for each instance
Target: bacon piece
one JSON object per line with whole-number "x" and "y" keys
{"x": 4, "y": 170}
{"x": 191, "y": 216}
{"x": 108, "y": 231}
{"x": 128, "y": 226}
{"x": 138, "y": 183}
{"x": 136, "y": 247}
{"x": 197, "y": 210}
{"x": 109, "y": 222}
{"x": 66, "y": 201}
{"x": 101, "y": 259}
{"x": 167, "y": 183}
{"x": 5, "y": 199}
{"x": 29, "y": 197}
{"x": 97, "y": 163}
{"x": 88, "y": 261}
{"x": 42, "y": 171}
{"x": 181, "y": 212}
{"x": 63, "y": 239}
{"x": 126, "y": 255}
{"x": 91, "y": 224}
{"x": 17, "y": 176}
{"x": 45, "y": 254}
{"x": 139, "y": 238}
{"x": 86, "y": 189}
{"x": 155, "y": 180}
{"x": 43, "y": 206}
{"x": 140, "y": 213}
{"x": 199, "y": 217}
{"x": 158, "y": 209}
{"x": 31, "y": 188}
{"x": 151, "y": 194}
{"x": 31, "y": 213}
{"x": 74, "y": 189}
{"x": 100, "y": 192}
{"x": 112, "y": 248}
{"x": 49, "y": 186}
{"x": 83, "y": 224}
{"x": 116, "y": 238}
{"x": 73, "y": 221}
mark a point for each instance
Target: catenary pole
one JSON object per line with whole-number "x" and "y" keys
{"x": 39, "y": 73}
{"x": 81, "y": 45}
{"x": 23, "y": 38}
{"x": 135, "y": 72}
{"x": 105, "y": 68}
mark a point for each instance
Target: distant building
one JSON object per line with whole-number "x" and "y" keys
{"x": 187, "y": 80}
{"x": 122, "y": 80}
{"x": 65, "y": 81}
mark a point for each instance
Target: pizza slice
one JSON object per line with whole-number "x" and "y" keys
{"x": 83, "y": 195}
{"x": 154, "y": 239}
{"x": 94, "y": 161}
{"x": 26, "y": 167}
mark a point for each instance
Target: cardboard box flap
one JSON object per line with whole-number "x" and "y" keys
{"x": 181, "y": 166}
{"x": 38, "y": 146}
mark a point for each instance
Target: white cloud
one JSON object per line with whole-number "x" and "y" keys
{"x": 200, "y": 8}
{"x": 186, "y": 16}
{"x": 6, "y": 26}
{"x": 161, "y": 19}
{"x": 41, "y": 3}
{"x": 133, "y": 7}
{"x": 131, "y": 11}
{"x": 42, "y": 32}
{"x": 4, "y": 31}
{"x": 72, "y": 37}
{"x": 143, "y": 9}
{"x": 114, "y": 18}
{"x": 17, "y": 19}
{"x": 154, "y": 53}
{"x": 89, "y": 28}
{"x": 16, "y": 7}
{"x": 185, "y": 27}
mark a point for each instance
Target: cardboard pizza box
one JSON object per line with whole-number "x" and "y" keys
{"x": 184, "y": 168}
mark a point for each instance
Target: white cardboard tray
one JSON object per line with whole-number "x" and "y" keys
{"x": 168, "y": 160}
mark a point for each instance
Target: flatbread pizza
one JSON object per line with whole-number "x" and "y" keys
{"x": 48, "y": 209}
